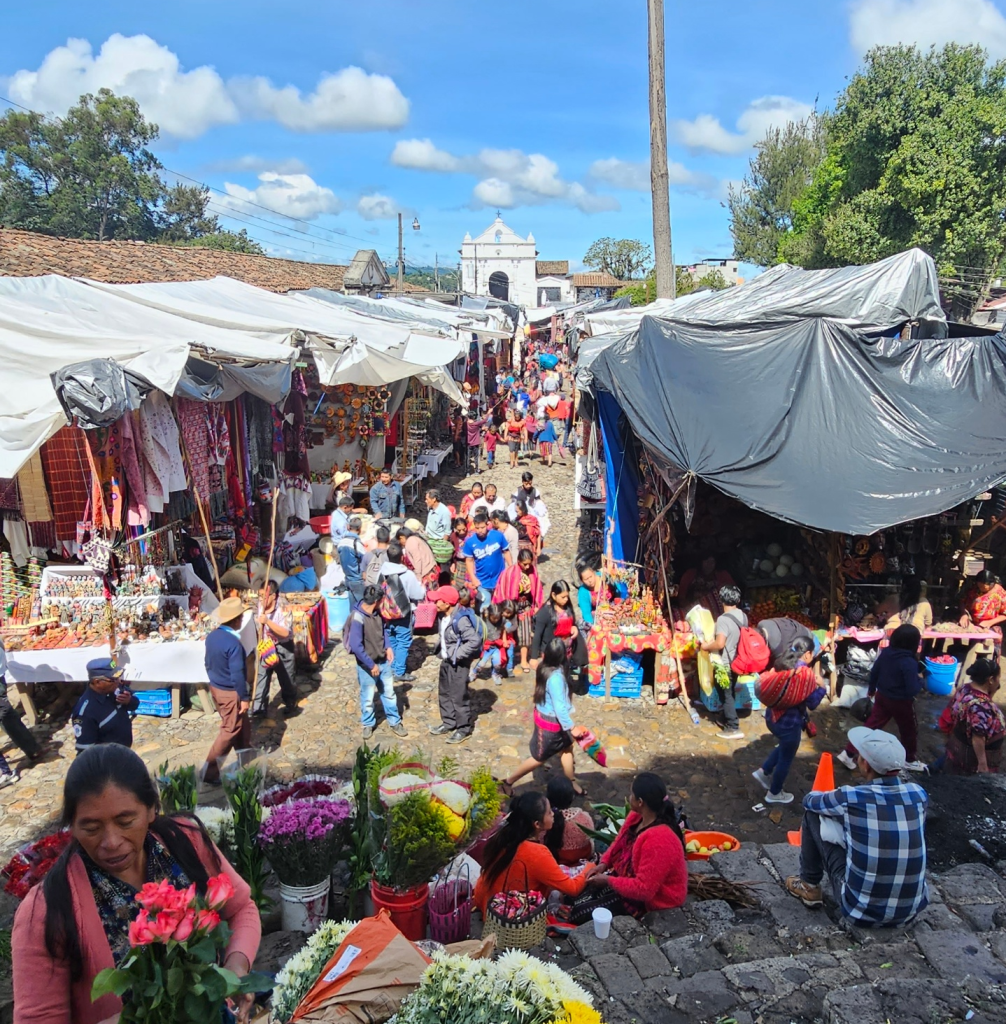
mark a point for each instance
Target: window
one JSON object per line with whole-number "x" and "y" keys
{"x": 499, "y": 237}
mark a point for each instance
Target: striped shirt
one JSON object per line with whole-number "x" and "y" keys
{"x": 885, "y": 848}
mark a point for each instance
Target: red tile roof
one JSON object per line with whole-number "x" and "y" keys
{"x": 551, "y": 268}
{"x": 596, "y": 279}
{"x": 28, "y": 254}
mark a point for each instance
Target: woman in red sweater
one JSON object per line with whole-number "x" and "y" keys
{"x": 517, "y": 859}
{"x": 644, "y": 868}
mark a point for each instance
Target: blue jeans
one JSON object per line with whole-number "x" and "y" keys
{"x": 368, "y": 686}
{"x": 485, "y": 596}
{"x": 778, "y": 763}
{"x": 400, "y": 637}
{"x": 493, "y": 658}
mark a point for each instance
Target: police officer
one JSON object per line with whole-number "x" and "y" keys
{"x": 105, "y": 711}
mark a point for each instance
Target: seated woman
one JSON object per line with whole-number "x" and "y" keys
{"x": 644, "y": 868}
{"x": 588, "y": 568}
{"x": 516, "y": 858}
{"x": 76, "y": 922}
{"x": 984, "y": 607}
{"x": 566, "y": 839}
{"x": 977, "y": 723}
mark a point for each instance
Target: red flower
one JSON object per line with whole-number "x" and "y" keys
{"x": 218, "y": 891}
{"x": 139, "y": 931}
{"x": 185, "y": 927}
{"x": 207, "y": 920}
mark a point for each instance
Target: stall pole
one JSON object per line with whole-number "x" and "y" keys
{"x": 268, "y": 570}
{"x": 833, "y": 557}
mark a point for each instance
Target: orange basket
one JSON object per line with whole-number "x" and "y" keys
{"x": 709, "y": 840}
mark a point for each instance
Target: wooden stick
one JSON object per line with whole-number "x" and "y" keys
{"x": 268, "y": 569}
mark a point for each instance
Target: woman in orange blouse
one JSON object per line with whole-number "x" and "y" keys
{"x": 516, "y": 858}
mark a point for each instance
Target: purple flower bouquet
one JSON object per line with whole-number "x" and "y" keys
{"x": 303, "y": 839}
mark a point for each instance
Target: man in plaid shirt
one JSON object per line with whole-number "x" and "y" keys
{"x": 870, "y": 839}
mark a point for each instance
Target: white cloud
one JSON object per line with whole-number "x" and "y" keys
{"x": 378, "y": 207}
{"x": 186, "y": 104}
{"x": 256, "y": 165}
{"x": 291, "y": 195}
{"x": 634, "y": 176}
{"x": 707, "y": 133}
{"x": 508, "y": 177}
{"x": 927, "y": 23}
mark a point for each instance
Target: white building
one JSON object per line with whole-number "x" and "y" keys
{"x": 500, "y": 263}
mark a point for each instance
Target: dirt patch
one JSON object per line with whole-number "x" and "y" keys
{"x": 962, "y": 808}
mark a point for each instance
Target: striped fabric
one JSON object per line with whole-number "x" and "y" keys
{"x": 64, "y": 458}
{"x": 885, "y": 865}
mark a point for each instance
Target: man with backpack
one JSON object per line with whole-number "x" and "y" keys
{"x": 401, "y": 591}
{"x": 365, "y": 637}
{"x": 461, "y": 636}
{"x": 743, "y": 651}
{"x": 373, "y": 560}
{"x": 350, "y": 550}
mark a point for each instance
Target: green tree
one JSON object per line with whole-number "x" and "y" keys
{"x": 623, "y": 258}
{"x": 914, "y": 158}
{"x": 642, "y": 293}
{"x": 90, "y": 174}
{"x": 761, "y": 207}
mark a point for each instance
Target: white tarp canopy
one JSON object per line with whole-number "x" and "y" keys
{"x": 49, "y": 322}
{"x": 347, "y": 347}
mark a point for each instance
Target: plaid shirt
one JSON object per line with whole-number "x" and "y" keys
{"x": 885, "y": 848}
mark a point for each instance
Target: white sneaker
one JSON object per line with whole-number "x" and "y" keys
{"x": 843, "y": 758}
{"x": 731, "y": 734}
{"x": 782, "y": 797}
{"x": 495, "y": 679}
{"x": 7, "y": 779}
{"x": 917, "y": 766}
{"x": 761, "y": 778}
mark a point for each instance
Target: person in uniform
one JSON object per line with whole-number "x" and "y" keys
{"x": 105, "y": 711}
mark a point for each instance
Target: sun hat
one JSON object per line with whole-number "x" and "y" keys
{"x": 229, "y": 608}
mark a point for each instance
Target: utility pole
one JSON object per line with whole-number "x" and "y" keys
{"x": 436, "y": 271}
{"x": 663, "y": 257}
{"x": 401, "y": 258}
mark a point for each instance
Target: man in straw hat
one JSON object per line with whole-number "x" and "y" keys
{"x": 226, "y": 667}
{"x": 870, "y": 839}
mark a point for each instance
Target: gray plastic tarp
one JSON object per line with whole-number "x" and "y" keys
{"x": 814, "y": 422}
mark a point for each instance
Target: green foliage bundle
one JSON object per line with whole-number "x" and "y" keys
{"x": 179, "y": 789}
{"x": 243, "y": 789}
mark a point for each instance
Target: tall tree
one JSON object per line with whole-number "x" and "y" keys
{"x": 623, "y": 258}
{"x": 914, "y": 158}
{"x": 761, "y": 207}
{"x": 90, "y": 174}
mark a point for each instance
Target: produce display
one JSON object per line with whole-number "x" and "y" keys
{"x": 32, "y": 863}
{"x": 778, "y": 603}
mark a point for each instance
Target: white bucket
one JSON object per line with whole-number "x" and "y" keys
{"x": 602, "y": 922}
{"x": 304, "y": 906}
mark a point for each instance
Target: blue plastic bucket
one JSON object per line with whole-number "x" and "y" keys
{"x": 940, "y": 678}
{"x": 338, "y": 612}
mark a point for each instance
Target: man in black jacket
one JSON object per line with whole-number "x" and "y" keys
{"x": 460, "y": 646}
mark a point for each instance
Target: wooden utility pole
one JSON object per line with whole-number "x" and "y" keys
{"x": 401, "y": 249}
{"x": 663, "y": 257}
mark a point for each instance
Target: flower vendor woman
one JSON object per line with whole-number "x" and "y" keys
{"x": 77, "y": 921}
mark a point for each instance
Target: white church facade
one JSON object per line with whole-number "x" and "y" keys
{"x": 501, "y": 264}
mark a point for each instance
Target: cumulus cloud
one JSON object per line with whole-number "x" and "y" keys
{"x": 186, "y": 104}
{"x": 706, "y": 133}
{"x": 634, "y": 176}
{"x": 290, "y": 195}
{"x": 927, "y": 23}
{"x": 507, "y": 177}
{"x": 378, "y": 207}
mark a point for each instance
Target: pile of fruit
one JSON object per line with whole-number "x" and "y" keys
{"x": 694, "y": 846}
{"x": 779, "y": 603}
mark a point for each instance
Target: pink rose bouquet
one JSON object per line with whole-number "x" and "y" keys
{"x": 171, "y": 975}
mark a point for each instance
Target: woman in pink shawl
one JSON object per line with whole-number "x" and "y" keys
{"x": 520, "y": 583}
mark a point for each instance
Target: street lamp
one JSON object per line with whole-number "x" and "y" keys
{"x": 415, "y": 224}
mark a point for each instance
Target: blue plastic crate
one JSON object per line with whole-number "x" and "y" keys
{"x": 627, "y": 688}
{"x": 626, "y": 676}
{"x": 156, "y": 703}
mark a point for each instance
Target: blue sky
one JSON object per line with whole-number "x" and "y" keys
{"x": 340, "y": 114}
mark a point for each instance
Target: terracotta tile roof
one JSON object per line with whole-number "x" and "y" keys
{"x": 595, "y": 279}
{"x": 551, "y": 268}
{"x": 27, "y": 254}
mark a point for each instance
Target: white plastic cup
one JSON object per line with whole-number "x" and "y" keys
{"x": 602, "y": 922}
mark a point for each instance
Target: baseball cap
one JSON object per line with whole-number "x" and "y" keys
{"x": 449, "y": 595}
{"x": 882, "y": 752}
{"x": 103, "y": 668}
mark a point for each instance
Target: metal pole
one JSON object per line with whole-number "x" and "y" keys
{"x": 401, "y": 258}
{"x": 662, "y": 253}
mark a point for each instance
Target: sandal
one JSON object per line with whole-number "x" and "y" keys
{"x": 506, "y": 787}
{"x": 579, "y": 790}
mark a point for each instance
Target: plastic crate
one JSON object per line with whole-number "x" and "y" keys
{"x": 156, "y": 703}
{"x": 628, "y": 682}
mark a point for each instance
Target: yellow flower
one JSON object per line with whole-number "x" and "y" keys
{"x": 579, "y": 1013}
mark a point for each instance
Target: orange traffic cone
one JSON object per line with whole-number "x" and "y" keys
{"x": 824, "y": 782}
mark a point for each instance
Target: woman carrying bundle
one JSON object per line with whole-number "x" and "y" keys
{"x": 788, "y": 690}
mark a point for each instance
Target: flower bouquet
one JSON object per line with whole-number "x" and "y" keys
{"x": 32, "y": 863}
{"x": 301, "y": 971}
{"x": 303, "y": 839}
{"x": 306, "y": 788}
{"x": 171, "y": 975}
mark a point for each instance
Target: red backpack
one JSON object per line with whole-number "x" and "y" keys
{"x": 753, "y": 654}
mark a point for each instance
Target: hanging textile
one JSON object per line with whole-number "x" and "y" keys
{"x": 64, "y": 460}
{"x": 17, "y": 536}
{"x": 295, "y": 429}
{"x": 104, "y": 451}
{"x": 163, "y": 469}
{"x": 10, "y": 498}
{"x": 192, "y": 424}
{"x": 42, "y": 535}
{"x": 260, "y": 436}
{"x": 138, "y": 512}
{"x": 218, "y": 433}
{"x": 34, "y": 499}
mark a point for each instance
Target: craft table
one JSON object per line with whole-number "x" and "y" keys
{"x": 146, "y": 665}
{"x": 602, "y": 642}
{"x": 434, "y": 459}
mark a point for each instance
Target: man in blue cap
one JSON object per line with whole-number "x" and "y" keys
{"x": 105, "y": 711}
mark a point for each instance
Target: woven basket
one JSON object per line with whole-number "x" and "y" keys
{"x": 525, "y": 933}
